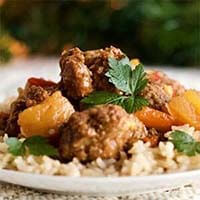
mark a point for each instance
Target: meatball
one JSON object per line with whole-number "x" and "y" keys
{"x": 76, "y": 79}
{"x": 91, "y": 56}
{"x": 160, "y": 89}
{"x": 102, "y": 131}
{"x": 84, "y": 72}
{"x": 140, "y": 133}
{"x": 12, "y": 128}
{"x": 156, "y": 95}
{"x": 162, "y": 79}
{"x": 35, "y": 92}
{"x": 3, "y": 120}
{"x": 100, "y": 67}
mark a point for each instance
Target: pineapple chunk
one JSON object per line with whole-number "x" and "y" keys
{"x": 194, "y": 98}
{"x": 169, "y": 90}
{"x": 45, "y": 118}
{"x": 184, "y": 112}
{"x": 134, "y": 62}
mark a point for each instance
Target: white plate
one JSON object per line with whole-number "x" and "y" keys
{"x": 99, "y": 186}
{"x": 90, "y": 185}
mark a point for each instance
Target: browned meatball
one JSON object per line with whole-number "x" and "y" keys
{"x": 100, "y": 66}
{"x": 101, "y": 131}
{"x": 3, "y": 120}
{"x": 156, "y": 95}
{"x": 84, "y": 72}
{"x": 160, "y": 89}
{"x": 76, "y": 79}
{"x": 91, "y": 56}
{"x": 12, "y": 127}
{"x": 162, "y": 79}
{"x": 36, "y": 91}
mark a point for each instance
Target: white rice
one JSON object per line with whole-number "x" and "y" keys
{"x": 144, "y": 160}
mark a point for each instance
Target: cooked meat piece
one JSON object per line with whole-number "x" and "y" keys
{"x": 91, "y": 56}
{"x": 32, "y": 85}
{"x": 32, "y": 94}
{"x": 3, "y": 120}
{"x": 156, "y": 95}
{"x": 100, "y": 55}
{"x": 76, "y": 79}
{"x": 100, "y": 67}
{"x": 37, "y": 90}
{"x": 84, "y": 72}
{"x": 140, "y": 132}
{"x": 12, "y": 127}
{"x": 161, "y": 78}
{"x": 160, "y": 89}
{"x": 101, "y": 131}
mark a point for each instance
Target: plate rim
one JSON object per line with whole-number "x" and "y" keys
{"x": 101, "y": 186}
{"x": 107, "y": 178}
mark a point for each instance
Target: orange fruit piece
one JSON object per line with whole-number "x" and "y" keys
{"x": 155, "y": 119}
{"x": 183, "y": 111}
{"x": 45, "y": 118}
{"x": 194, "y": 98}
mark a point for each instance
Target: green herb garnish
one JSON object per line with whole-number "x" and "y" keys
{"x": 15, "y": 146}
{"x": 129, "y": 81}
{"x": 35, "y": 145}
{"x": 185, "y": 143}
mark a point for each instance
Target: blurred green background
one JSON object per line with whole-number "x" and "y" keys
{"x": 158, "y": 32}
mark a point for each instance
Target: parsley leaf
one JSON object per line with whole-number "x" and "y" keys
{"x": 36, "y": 145}
{"x": 139, "y": 103}
{"x": 120, "y": 75}
{"x": 185, "y": 143}
{"x": 124, "y": 78}
{"x": 102, "y": 97}
{"x": 128, "y": 104}
{"x": 127, "y": 80}
{"x": 15, "y": 146}
{"x": 139, "y": 81}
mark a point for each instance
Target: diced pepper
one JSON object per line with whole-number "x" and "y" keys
{"x": 40, "y": 82}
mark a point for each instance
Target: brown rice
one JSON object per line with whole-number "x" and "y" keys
{"x": 144, "y": 160}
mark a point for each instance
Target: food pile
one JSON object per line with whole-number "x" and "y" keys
{"x": 105, "y": 117}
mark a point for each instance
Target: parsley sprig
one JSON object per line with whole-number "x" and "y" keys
{"x": 185, "y": 143}
{"x": 35, "y": 145}
{"x": 130, "y": 82}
